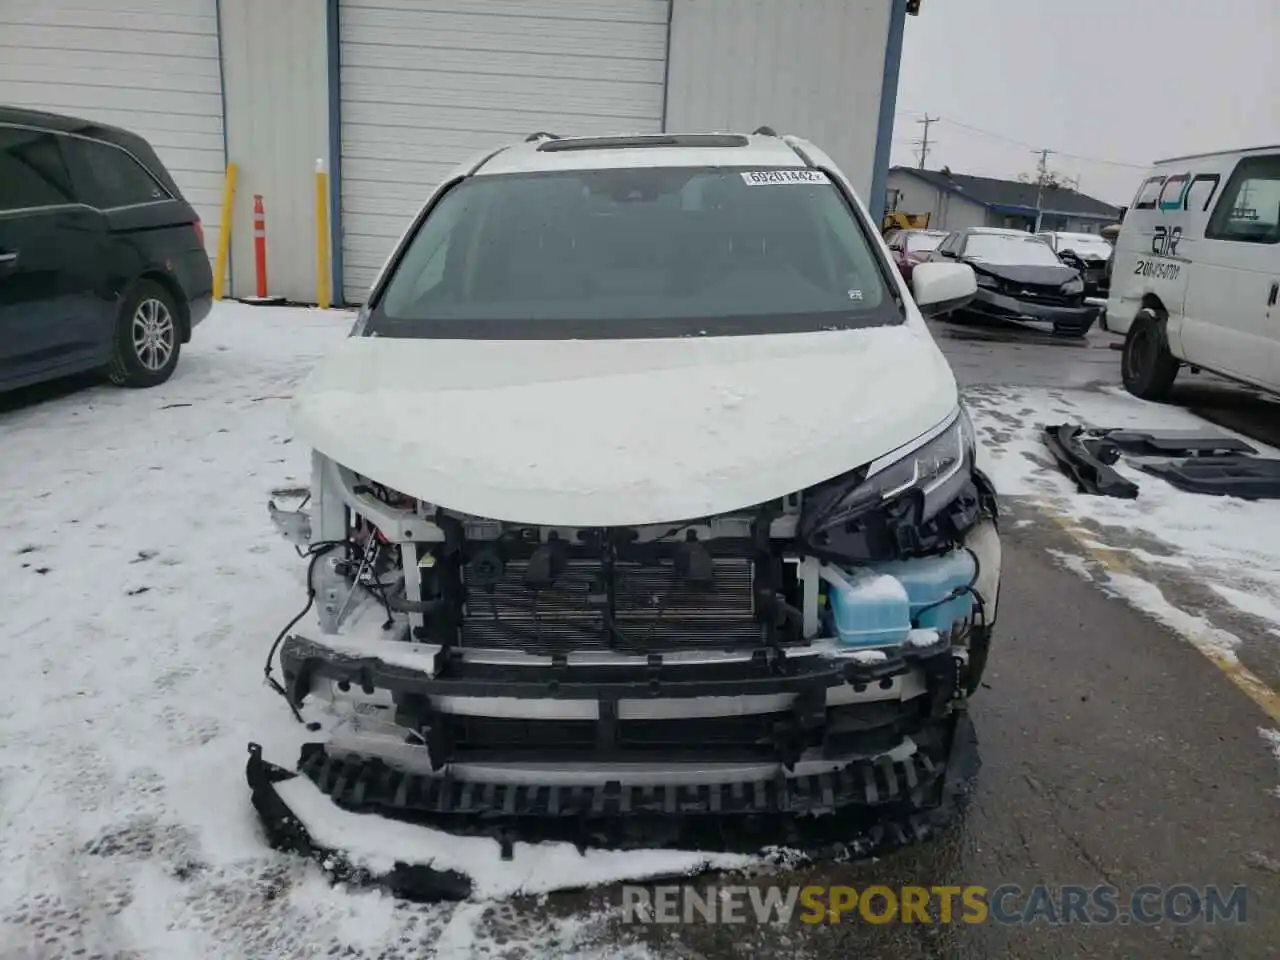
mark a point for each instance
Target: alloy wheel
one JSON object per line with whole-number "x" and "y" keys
{"x": 153, "y": 334}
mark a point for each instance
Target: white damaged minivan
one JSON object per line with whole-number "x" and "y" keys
{"x": 641, "y": 494}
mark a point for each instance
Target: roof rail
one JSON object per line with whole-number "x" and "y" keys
{"x": 540, "y": 135}
{"x": 764, "y": 132}
{"x": 800, "y": 152}
{"x": 644, "y": 140}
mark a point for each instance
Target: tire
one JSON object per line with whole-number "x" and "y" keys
{"x": 147, "y": 339}
{"x": 1147, "y": 366}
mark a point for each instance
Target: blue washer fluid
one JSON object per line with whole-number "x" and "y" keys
{"x": 868, "y": 609}
{"x": 928, "y": 580}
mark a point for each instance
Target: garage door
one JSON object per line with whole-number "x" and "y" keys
{"x": 428, "y": 83}
{"x": 150, "y": 66}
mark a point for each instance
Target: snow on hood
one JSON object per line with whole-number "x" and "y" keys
{"x": 621, "y": 432}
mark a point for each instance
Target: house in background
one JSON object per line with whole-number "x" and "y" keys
{"x": 955, "y": 201}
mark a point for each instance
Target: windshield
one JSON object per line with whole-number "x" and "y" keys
{"x": 924, "y": 242}
{"x": 636, "y": 252}
{"x": 1010, "y": 249}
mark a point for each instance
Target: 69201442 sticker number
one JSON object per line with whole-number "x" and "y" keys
{"x": 1157, "y": 269}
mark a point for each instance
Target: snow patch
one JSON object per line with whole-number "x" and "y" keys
{"x": 867, "y": 656}
{"x": 1148, "y": 598}
{"x": 922, "y": 638}
{"x": 378, "y": 843}
{"x": 1250, "y": 603}
{"x": 1077, "y": 565}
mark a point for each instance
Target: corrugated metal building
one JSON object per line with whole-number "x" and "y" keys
{"x": 390, "y": 94}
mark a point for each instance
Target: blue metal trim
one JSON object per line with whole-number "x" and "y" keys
{"x": 335, "y": 151}
{"x": 226, "y": 144}
{"x": 666, "y": 65}
{"x": 879, "y": 198}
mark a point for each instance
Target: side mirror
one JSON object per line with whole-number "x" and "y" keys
{"x": 942, "y": 287}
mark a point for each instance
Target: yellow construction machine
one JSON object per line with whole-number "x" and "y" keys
{"x": 897, "y": 220}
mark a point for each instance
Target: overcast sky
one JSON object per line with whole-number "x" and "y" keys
{"x": 1126, "y": 81}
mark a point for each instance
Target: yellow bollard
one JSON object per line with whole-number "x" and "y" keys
{"x": 224, "y": 232}
{"x": 322, "y": 236}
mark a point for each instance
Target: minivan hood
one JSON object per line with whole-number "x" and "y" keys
{"x": 621, "y": 432}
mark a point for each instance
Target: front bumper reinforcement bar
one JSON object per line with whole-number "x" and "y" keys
{"x": 867, "y": 807}
{"x": 304, "y": 661}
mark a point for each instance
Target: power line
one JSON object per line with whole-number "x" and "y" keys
{"x": 1032, "y": 147}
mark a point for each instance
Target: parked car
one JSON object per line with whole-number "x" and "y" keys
{"x": 910, "y": 247}
{"x": 617, "y": 496}
{"x": 102, "y": 261}
{"x": 1197, "y": 272}
{"x": 1088, "y": 252}
{"x": 1020, "y": 278}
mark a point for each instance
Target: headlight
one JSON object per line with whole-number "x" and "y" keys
{"x": 935, "y": 471}
{"x": 985, "y": 280}
{"x": 1073, "y": 286}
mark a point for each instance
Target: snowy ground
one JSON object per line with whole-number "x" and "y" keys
{"x": 1220, "y": 540}
{"x": 142, "y": 583}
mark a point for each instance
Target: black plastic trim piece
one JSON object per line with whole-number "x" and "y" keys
{"x": 370, "y": 785}
{"x": 1249, "y": 478}
{"x": 889, "y": 806}
{"x": 286, "y": 833}
{"x": 1172, "y": 443}
{"x": 1070, "y": 448}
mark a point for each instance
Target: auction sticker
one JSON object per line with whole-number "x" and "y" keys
{"x": 757, "y": 178}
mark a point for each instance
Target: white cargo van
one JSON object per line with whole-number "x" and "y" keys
{"x": 1196, "y": 274}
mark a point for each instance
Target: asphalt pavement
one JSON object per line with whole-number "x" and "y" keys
{"x": 1113, "y": 753}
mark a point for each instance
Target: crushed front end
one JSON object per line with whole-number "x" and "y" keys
{"x": 686, "y": 684}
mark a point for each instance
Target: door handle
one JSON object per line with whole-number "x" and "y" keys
{"x": 10, "y": 257}
{"x": 1275, "y": 293}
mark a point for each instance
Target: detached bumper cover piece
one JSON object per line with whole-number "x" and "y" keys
{"x": 286, "y": 833}
{"x": 1250, "y": 478}
{"x": 1174, "y": 443}
{"x": 1088, "y": 461}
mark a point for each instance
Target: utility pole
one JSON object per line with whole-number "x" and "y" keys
{"x": 1042, "y": 174}
{"x": 923, "y": 142}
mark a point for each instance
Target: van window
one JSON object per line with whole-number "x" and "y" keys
{"x": 1249, "y": 209}
{"x": 32, "y": 172}
{"x": 106, "y": 176}
{"x": 1147, "y": 193}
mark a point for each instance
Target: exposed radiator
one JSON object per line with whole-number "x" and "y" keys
{"x": 652, "y": 609}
